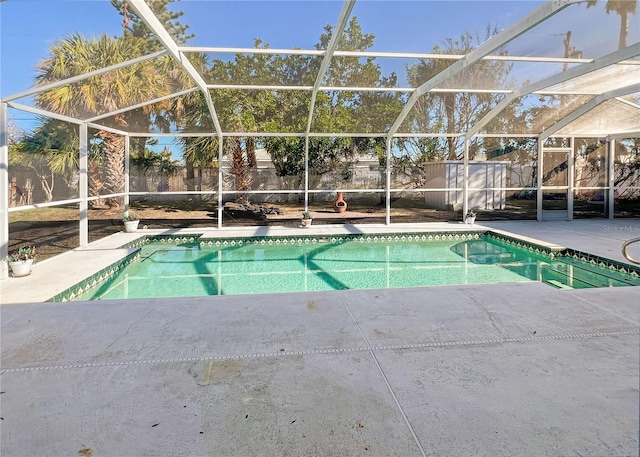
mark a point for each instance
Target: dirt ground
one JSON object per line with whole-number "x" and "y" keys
{"x": 56, "y": 230}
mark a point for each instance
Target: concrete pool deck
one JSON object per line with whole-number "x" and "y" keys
{"x": 516, "y": 369}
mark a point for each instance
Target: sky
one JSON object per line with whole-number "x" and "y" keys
{"x": 29, "y": 27}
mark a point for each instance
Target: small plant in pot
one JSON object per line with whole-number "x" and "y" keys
{"x": 22, "y": 260}
{"x": 470, "y": 217}
{"x": 306, "y": 219}
{"x": 130, "y": 222}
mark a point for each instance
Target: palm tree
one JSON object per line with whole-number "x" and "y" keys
{"x": 624, "y": 8}
{"x": 203, "y": 151}
{"x": 191, "y": 112}
{"x": 77, "y": 55}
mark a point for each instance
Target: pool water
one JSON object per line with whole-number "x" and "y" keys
{"x": 194, "y": 269}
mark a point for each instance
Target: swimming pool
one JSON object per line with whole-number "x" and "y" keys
{"x": 192, "y": 266}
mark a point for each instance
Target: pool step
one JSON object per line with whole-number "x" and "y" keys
{"x": 557, "y": 284}
{"x": 602, "y": 271}
{"x": 563, "y": 280}
{"x": 579, "y": 275}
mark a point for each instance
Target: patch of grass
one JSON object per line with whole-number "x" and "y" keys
{"x": 173, "y": 206}
{"x": 57, "y": 213}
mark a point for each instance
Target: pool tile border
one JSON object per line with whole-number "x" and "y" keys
{"x": 95, "y": 279}
{"x": 554, "y": 252}
{"x": 612, "y": 265}
{"x": 168, "y": 239}
{"x": 360, "y": 237}
{"x": 108, "y": 272}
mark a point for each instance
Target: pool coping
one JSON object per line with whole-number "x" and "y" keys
{"x": 523, "y": 242}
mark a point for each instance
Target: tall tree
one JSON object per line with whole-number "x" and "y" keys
{"x": 182, "y": 108}
{"x": 624, "y": 8}
{"x": 455, "y": 112}
{"x": 287, "y": 111}
{"x": 337, "y": 110}
{"x": 132, "y": 24}
{"x": 77, "y": 55}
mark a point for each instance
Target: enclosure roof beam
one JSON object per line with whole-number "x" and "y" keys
{"x": 350, "y": 88}
{"x": 347, "y": 7}
{"x": 93, "y": 125}
{"x": 627, "y": 102}
{"x": 596, "y": 64}
{"x": 75, "y": 79}
{"x": 146, "y": 14}
{"x": 62, "y": 117}
{"x": 531, "y": 20}
{"x": 45, "y": 113}
{"x": 143, "y": 104}
{"x": 588, "y": 107}
{"x": 382, "y": 54}
{"x": 622, "y": 136}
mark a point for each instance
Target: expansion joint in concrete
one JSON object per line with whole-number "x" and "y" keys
{"x": 368, "y": 348}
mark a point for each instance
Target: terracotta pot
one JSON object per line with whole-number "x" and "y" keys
{"x": 339, "y": 206}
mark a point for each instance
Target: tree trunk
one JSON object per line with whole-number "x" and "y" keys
{"x": 240, "y": 169}
{"x": 114, "y": 166}
{"x": 190, "y": 176}
{"x": 47, "y": 187}
{"x": 450, "y": 107}
{"x": 624, "y": 30}
{"x": 95, "y": 184}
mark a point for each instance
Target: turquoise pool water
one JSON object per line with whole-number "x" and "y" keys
{"x": 196, "y": 269}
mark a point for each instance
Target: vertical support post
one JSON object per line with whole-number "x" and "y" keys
{"x": 611, "y": 178}
{"x": 570, "y": 178}
{"x": 220, "y": 187}
{"x": 4, "y": 191}
{"x": 306, "y": 173}
{"x": 83, "y": 161}
{"x": 465, "y": 178}
{"x": 387, "y": 184}
{"x": 539, "y": 178}
{"x": 127, "y": 168}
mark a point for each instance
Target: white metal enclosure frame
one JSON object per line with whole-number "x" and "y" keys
{"x": 580, "y": 67}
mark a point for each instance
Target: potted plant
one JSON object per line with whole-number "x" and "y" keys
{"x": 470, "y": 217}
{"x": 130, "y": 222}
{"x": 306, "y": 219}
{"x": 22, "y": 260}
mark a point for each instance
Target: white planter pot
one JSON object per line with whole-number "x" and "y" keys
{"x": 131, "y": 226}
{"x": 306, "y": 223}
{"x": 470, "y": 219}
{"x": 21, "y": 268}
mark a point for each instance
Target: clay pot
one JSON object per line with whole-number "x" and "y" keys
{"x": 339, "y": 206}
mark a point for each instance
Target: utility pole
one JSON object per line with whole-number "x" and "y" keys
{"x": 567, "y": 47}
{"x": 569, "y": 51}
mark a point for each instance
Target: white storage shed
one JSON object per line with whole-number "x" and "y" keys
{"x": 485, "y": 176}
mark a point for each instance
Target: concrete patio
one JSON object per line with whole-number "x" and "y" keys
{"x": 487, "y": 370}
